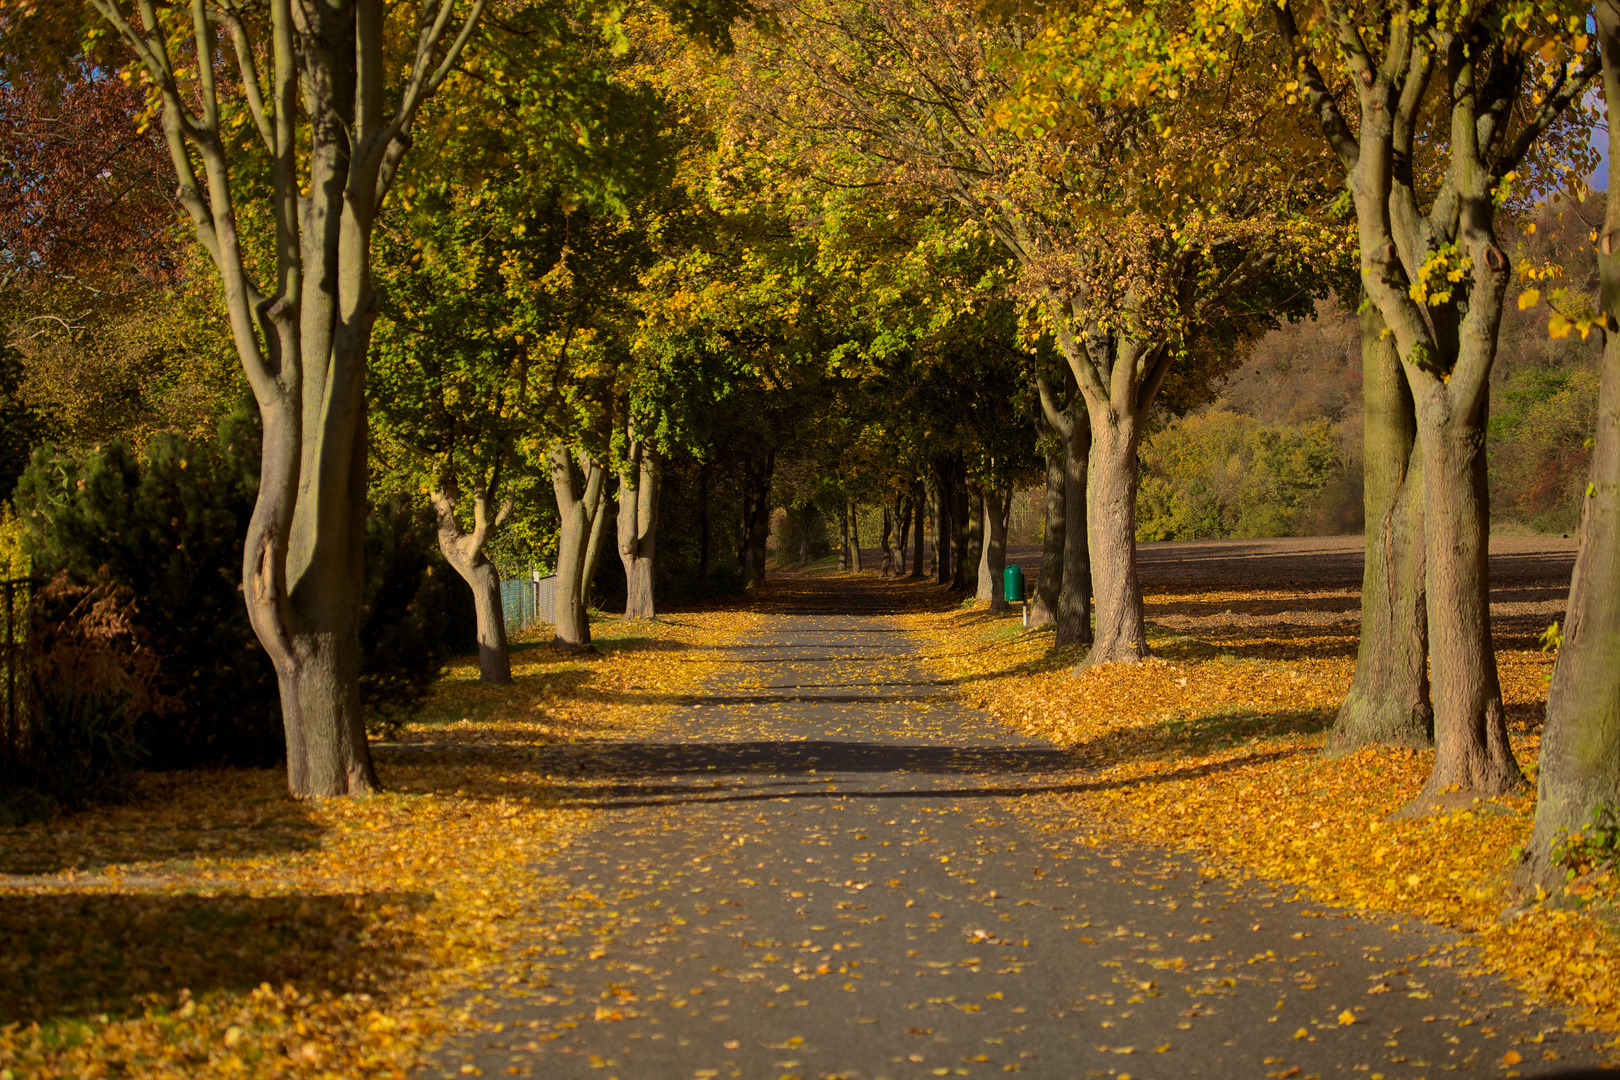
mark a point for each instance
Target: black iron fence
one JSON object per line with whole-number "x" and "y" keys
{"x": 16, "y": 598}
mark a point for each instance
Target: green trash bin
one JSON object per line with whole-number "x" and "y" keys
{"x": 1012, "y": 584}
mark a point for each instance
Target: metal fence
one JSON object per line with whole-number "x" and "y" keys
{"x": 527, "y": 601}
{"x": 15, "y": 596}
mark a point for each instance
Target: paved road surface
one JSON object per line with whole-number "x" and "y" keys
{"x": 828, "y": 869}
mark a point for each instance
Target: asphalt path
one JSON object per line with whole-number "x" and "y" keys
{"x": 826, "y": 867}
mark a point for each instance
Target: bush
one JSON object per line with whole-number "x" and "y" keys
{"x": 168, "y": 523}
{"x": 89, "y": 675}
{"x": 1221, "y": 474}
{"x": 1539, "y": 455}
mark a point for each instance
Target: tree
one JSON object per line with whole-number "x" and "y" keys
{"x": 1138, "y": 218}
{"x": 333, "y": 134}
{"x": 1431, "y": 265}
{"x": 1578, "y": 787}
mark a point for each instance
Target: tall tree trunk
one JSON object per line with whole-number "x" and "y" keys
{"x": 1579, "y": 781}
{"x": 703, "y": 526}
{"x": 919, "y": 539}
{"x": 887, "y": 542}
{"x": 959, "y": 526}
{"x": 997, "y": 509}
{"x": 638, "y": 527}
{"x": 301, "y": 328}
{"x": 1472, "y": 754}
{"x": 902, "y": 509}
{"x": 756, "y": 519}
{"x": 940, "y": 493}
{"x": 974, "y": 548}
{"x": 464, "y": 551}
{"x": 1388, "y": 702}
{"x": 1074, "y": 600}
{"x": 1043, "y": 608}
{"x": 577, "y": 486}
{"x": 1074, "y": 594}
{"x": 843, "y": 535}
{"x": 1111, "y": 529}
{"x": 593, "y": 550}
{"x": 852, "y": 511}
{"x": 807, "y": 518}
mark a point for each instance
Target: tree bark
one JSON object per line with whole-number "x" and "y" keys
{"x": 887, "y": 543}
{"x": 638, "y": 527}
{"x": 593, "y": 549}
{"x": 997, "y": 508}
{"x": 940, "y": 494}
{"x": 852, "y": 512}
{"x": 1579, "y": 774}
{"x": 303, "y": 336}
{"x": 1074, "y": 593}
{"x": 703, "y": 526}
{"x": 577, "y": 485}
{"x": 464, "y": 551}
{"x": 1472, "y": 755}
{"x": 959, "y": 528}
{"x": 1043, "y": 608}
{"x": 1388, "y": 702}
{"x": 973, "y": 549}
{"x": 756, "y": 519}
{"x": 1121, "y": 634}
{"x": 903, "y": 508}
{"x": 919, "y": 500}
{"x": 843, "y": 535}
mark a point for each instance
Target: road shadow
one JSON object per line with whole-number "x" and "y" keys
{"x": 70, "y": 955}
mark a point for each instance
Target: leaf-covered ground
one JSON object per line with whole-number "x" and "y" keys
{"x": 1213, "y": 747}
{"x": 214, "y": 926}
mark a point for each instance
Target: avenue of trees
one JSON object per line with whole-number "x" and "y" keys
{"x": 569, "y": 282}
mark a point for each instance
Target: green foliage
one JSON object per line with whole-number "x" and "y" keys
{"x": 1593, "y": 847}
{"x": 1221, "y": 474}
{"x": 1539, "y": 444}
{"x": 168, "y": 523}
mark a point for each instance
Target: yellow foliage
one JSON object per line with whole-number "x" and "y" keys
{"x": 215, "y": 927}
{"x": 1214, "y": 746}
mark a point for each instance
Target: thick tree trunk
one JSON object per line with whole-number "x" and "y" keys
{"x": 852, "y": 511}
{"x": 1121, "y": 634}
{"x": 302, "y": 576}
{"x": 997, "y": 508}
{"x": 1388, "y": 702}
{"x": 464, "y": 552}
{"x": 1472, "y": 755}
{"x": 638, "y": 528}
{"x": 1043, "y": 608}
{"x": 578, "y": 489}
{"x": 919, "y": 500}
{"x": 973, "y": 553}
{"x": 1074, "y": 598}
{"x": 1579, "y": 775}
{"x": 940, "y": 495}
